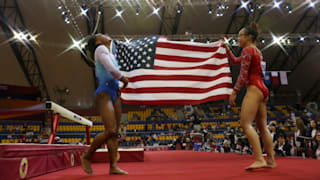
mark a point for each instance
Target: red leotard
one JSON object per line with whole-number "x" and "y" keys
{"x": 251, "y": 72}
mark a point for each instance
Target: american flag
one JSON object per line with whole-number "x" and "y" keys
{"x": 161, "y": 71}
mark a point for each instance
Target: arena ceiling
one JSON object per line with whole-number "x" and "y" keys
{"x": 57, "y": 22}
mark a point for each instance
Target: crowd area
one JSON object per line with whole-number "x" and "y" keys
{"x": 295, "y": 133}
{"x": 294, "y": 129}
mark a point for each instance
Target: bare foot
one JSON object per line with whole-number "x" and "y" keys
{"x": 257, "y": 165}
{"x": 117, "y": 171}
{"x": 86, "y": 165}
{"x": 271, "y": 163}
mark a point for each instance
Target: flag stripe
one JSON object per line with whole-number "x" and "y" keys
{"x": 186, "y": 47}
{"x": 176, "y": 89}
{"x": 176, "y": 101}
{"x": 215, "y": 56}
{"x": 173, "y": 96}
{"x": 193, "y": 72}
{"x": 206, "y": 66}
{"x": 212, "y": 44}
{"x": 185, "y": 53}
{"x": 178, "y": 77}
{"x": 188, "y": 64}
{"x": 178, "y": 83}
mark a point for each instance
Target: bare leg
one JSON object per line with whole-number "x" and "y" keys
{"x": 261, "y": 120}
{"x": 118, "y": 110}
{"x": 113, "y": 141}
{"x": 106, "y": 110}
{"x": 249, "y": 110}
{"x": 86, "y": 157}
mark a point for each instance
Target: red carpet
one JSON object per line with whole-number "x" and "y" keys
{"x": 184, "y": 165}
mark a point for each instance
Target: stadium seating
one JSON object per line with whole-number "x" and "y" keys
{"x": 12, "y": 131}
{"x": 141, "y": 125}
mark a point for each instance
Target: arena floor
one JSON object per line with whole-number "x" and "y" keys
{"x": 184, "y": 165}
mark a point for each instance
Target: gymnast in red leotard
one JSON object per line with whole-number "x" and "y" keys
{"x": 251, "y": 72}
{"x": 254, "y": 103}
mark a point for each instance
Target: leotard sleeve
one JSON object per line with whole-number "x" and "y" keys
{"x": 245, "y": 61}
{"x": 103, "y": 56}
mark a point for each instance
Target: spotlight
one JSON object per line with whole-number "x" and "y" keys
{"x": 137, "y": 12}
{"x": 318, "y": 40}
{"x": 209, "y": 8}
{"x": 312, "y": 4}
{"x": 67, "y": 21}
{"x": 32, "y": 38}
{"x": 119, "y": 12}
{"x": 276, "y": 4}
{"x": 83, "y": 11}
{"x": 99, "y": 12}
{"x": 289, "y": 8}
{"x": 24, "y": 36}
{"x": 63, "y": 13}
{"x": 244, "y": 4}
{"x": 288, "y": 41}
{"x": 21, "y": 36}
{"x": 234, "y": 42}
{"x": 277, "y": 40}
{"x": 221, "y": 6}
{"x": 192, "y": 39}
{"x": 219, "y": 14}
{"x": 16, "y": 35}
{"x": 127, "y": 40}
{"x": 83, "y": 45}
{"x": 258, "y": 6}
{"x": 179, "y": 9}
{"x": 251, "y": 7}
{"x": 262, "y": 41}
{"x": 156, "y": 11}
{"x": 76, "y": 44}
{"x": 301, "y": 39}
{"x": 60, "y": 7}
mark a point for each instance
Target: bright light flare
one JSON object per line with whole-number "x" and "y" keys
{"x": 76, "y": 45}
{"x": 84, "y": 12}
{"x": 277, "y": 40}
{"x": 119, "y": 15}
{"x": 277, "y": 4}
{"x": 127, "y": 40}
{"x": 244, "y": 5}
{"x": 155, "y": 11}
{"x": 312, "y": 4}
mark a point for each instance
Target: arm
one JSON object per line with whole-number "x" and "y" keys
{"x": 105, "y": 59}
{"x": 245, "y": 60}
{"x": 231, "y": 57}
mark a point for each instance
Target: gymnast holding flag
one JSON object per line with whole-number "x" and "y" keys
{"x": 254, "y": 103}
{"x": 107, "y": 100}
